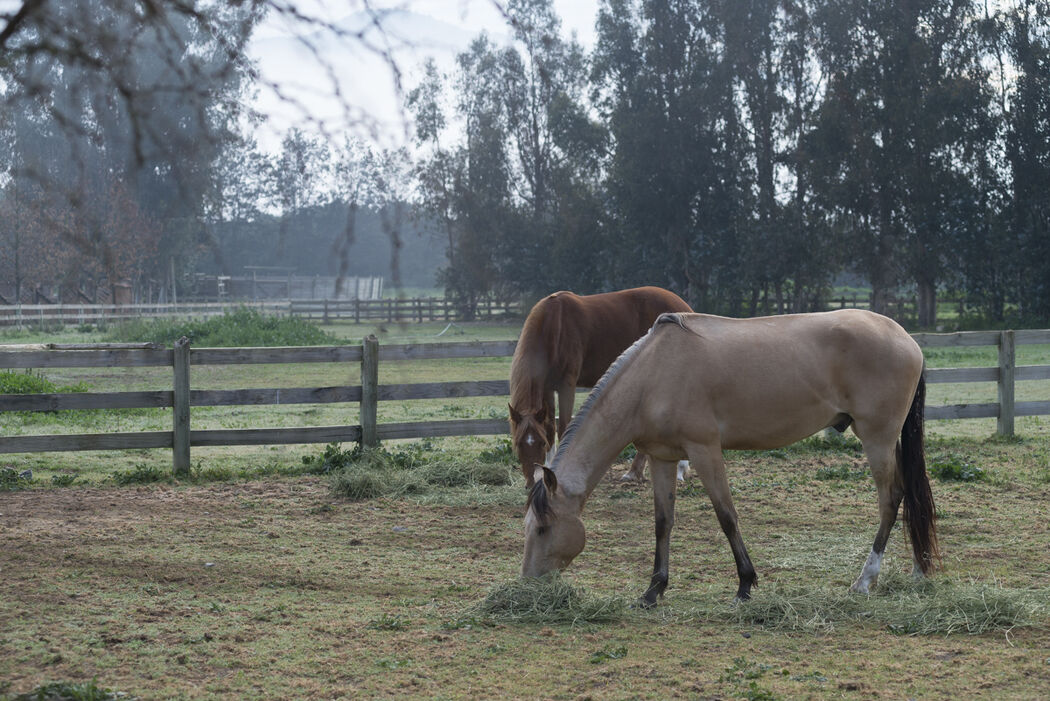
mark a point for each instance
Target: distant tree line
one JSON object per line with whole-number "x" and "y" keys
{"x": 747, "y": 152}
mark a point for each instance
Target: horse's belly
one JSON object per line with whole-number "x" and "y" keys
{"x": 764, "y": 431}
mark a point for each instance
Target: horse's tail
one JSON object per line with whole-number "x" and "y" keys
{"x": 919, "y": 510}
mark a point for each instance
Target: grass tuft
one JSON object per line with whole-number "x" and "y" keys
{"x": 953, "y": 468}
{"x": 549, "y": 599}
{"x": 70, "y": 691}
{"x": 900, "y": 604}
{"x": 369, "y": 473}
{"x": 29, "y": 382}
{"x": 142, "y": 473}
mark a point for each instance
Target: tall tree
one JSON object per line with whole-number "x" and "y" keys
{"x": 906, "y": 94}
{"x": 1028, "y": 150}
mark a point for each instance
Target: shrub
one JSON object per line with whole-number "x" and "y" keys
{"x": 11, "y": 480}
{"x": 141, "y": 474}
{"x": 12, "y": 382}
{"x": 243, "y": 327}
{"x": 953, "y": 468}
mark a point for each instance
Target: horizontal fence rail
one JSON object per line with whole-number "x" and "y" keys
{"x": 368, "y": 355}
{"x": 325, "y": 310}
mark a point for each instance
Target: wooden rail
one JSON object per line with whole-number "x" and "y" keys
{"x": 369, "y": 393}
{"x": 325, "y": 310}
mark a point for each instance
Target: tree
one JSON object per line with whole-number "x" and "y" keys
{"x": 907, "y": 93}
{"x": 1028, "y": 151}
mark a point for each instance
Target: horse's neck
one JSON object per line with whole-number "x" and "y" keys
{"x": 593, "y": 447}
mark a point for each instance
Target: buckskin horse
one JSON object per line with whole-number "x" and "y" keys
{"x": 696, "y": 385}
{"x": 569, "y": 341}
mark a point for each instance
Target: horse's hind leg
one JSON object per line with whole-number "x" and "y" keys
{"x": 637, "y": 471}
{"x": 883, "y": 458}
{"x": 708, "y": 463}
{"x": 663, "y": 500}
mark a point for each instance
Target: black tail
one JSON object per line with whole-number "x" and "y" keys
{"x": 919, "y": 510}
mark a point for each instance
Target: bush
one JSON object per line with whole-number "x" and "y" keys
{"x": 12, "y": 382}
{"x": 953, "y": 468}
{"x": 11, "y": 480}
{"x": 241, "y": 328}
{"x": 141, "y": 474}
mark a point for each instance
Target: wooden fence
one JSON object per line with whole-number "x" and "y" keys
{"x": 369, "y": 393}
{"x": 326, "y": 310}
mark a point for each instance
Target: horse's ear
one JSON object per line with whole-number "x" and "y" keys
{"x": 514, "y": 415}
{"x": 546, "y": 474}
{"x": 537, "y": 473}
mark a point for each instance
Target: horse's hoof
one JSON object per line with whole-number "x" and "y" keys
{"x": 628, "y": 477}
{"x": 859, "y": 587}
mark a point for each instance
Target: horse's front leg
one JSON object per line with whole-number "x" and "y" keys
{"x": 663, "y": 475}
{"x": 707, "y": 460}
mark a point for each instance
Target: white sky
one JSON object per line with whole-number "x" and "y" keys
{"x": 420, "y": 29}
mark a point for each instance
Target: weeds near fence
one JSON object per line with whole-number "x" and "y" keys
{"x": 28, "y": 382}
{"x": 362, "y": 473}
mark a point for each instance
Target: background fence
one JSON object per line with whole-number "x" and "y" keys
{"x": 369, "y": 393}
{"x": 326, "y": 310}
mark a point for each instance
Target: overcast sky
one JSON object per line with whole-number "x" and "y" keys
{"x": 311, "y": 72}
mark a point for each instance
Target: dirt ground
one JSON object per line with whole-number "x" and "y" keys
{"x": 275, "y": 589}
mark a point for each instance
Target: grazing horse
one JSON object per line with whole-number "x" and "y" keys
{"x": 698, "y": 384}
{"x": 569, "y": 341}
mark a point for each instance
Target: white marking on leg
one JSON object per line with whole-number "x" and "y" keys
{"x": 916, "y": 569}
{"x": 683, "y": 470}
{"x": 869, "y": 575}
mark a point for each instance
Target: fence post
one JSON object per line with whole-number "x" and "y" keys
{"x": 1007, "y": 365}
{"x": 181, "y": 408}
{"x": 369, "y": 390}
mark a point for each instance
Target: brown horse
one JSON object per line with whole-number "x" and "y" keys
{"x": 699, "y": 384}
{"x": 569, "y": 341}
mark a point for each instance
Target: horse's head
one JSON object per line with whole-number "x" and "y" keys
{"x": 533, "y": 437}
{"x": 554, "y": 532}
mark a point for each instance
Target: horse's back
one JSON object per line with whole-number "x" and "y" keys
{"x": 608, "y": 323}
{"x": 777, "y": 379}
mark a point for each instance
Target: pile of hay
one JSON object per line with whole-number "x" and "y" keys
{"x": 548, "y": 599}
